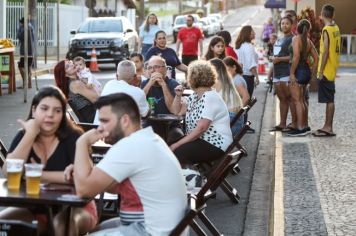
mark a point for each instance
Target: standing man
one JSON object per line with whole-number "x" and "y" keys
{"x": 31, "y": 50}
{"x": 149, "y": 175}
{"x": 190, "y": 36}
{"x": 328, "y": 64}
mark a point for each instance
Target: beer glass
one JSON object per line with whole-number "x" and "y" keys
{"x": 14, "y": 170}
{"x": 33, "y": 178}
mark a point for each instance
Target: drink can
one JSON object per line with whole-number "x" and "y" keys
{"x": 151, "y": 103}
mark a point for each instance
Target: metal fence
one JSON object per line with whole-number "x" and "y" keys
{"x": 15, "y": 10}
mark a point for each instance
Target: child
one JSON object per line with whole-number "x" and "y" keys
{"x": 328, "y": 64}
{"x": 270, "y": 44}
{"x": 84, "y": 73}
{"x": 216, "y": 48}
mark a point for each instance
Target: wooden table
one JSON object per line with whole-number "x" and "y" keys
{"x": 56, "y": 195}
{"x": 166, "y": 120}
{"x": 11, "y": 73}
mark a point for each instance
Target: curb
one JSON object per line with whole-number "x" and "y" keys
{"x": 260, "y": 205}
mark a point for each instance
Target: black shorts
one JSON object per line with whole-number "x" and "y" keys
{"x": 326, "y": 90}
{"x": 21, "y": 63}
{"x": 187, "y": 59}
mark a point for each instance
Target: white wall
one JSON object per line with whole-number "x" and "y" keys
{"x": 301, "y": 5}
{"x": 2, "y": 18}
{"x": 70, "y": 17}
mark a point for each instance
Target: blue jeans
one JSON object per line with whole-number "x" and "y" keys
{"x": 303, "y": 74}
{"x": 238, "y": 124}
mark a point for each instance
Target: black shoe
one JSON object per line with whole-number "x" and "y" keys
{"x": 307, "y": 130}
{"x": 297, "y": 133}
{"x": 250, "y": 130}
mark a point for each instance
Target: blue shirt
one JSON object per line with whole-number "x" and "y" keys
{"x": 168, "y": 54}
{"x": 148, "y": 37}
{"x": 157, "y": 93}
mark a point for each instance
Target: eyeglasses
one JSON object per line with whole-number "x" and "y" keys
{"x": 155, "y": 67}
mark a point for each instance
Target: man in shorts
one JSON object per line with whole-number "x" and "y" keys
{"x": 328, "y": 64}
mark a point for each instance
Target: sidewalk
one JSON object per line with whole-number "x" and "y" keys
{"x": 314, "y": 178}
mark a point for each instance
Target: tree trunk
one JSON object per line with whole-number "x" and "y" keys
{"x": 32, "y": 6}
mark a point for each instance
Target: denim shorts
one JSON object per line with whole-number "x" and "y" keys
{"x": 282, "y": 79}
{"x": 303, "y": 74}
{"x": 238, "y": 124}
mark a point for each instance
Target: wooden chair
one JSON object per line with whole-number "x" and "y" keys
{"x": 17, "y": 227}
{"x": 188, "y": 220}
{"x": 3, "y": 153}
{"x": 240, "y": 113}
{"x": 252, "y": 102}
{"x": 214, "y": 180}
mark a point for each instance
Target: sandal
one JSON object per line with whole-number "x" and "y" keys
{"x": 277, "y": 128}
{"x": 323, "y": 133}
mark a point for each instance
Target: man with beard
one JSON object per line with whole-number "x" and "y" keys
{"x": 190, "y": 36}
{"x": 148, "y": 177}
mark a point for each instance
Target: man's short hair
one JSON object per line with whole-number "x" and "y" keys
{"x": 136, "y": 54}
{"x": 121, "y": 104}
{"x": 190, "y": 16}
{"x": 126, "y": 70}
{"x": 328, "y": 11}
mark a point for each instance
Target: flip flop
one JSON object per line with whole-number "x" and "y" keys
{"x": 288, "y": 129}
{"x": 323, "y": 133}
{"x": 276, "y": 128}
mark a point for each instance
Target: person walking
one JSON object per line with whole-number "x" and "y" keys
{"x": 300, "y": 76}
{"x": 147, "y": 33}
{"x": 190, "y": 37}
{"x": 268, "y": 29}
{"x": 30, "y": 50}
{"x": 328, "y": 64}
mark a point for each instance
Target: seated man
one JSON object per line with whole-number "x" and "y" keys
{"x": 161, "y": 89}
{"x": 125, "y": 76}
{"x": 151, "y": 171}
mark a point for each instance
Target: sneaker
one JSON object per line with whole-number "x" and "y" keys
{"x": 297, "y": 133}
{"x": 307, "y": 130}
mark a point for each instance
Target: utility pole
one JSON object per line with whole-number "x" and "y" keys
{"x": 32, "y": 7}
{"x": 25, "y": 81}
{"x": 142, "y": 12}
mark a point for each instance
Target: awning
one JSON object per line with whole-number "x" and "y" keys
{"x": 275, "y": 4}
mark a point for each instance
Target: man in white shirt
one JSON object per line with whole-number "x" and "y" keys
{"x": 125, "y": 75}
{"x": 139, "y": 160}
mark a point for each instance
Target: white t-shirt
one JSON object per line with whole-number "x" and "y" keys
{"x": 121, "y": 86}
{"x": 155, "y": 173}
{"x": 212, "y": 107}
{"x": 247, "y": 57}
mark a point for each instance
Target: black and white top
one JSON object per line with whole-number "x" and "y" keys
{"x": 212, "y": 107}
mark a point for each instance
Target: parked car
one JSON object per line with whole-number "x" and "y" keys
{"x": 113, "y": 38}
{"x": 208, "y": 28}
{"x": 215, "y": 23}
{"x": 181, "y": 21}
{"x": 219, "y": 18}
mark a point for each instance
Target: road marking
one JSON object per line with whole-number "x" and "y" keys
{"x": 278, "y": 195}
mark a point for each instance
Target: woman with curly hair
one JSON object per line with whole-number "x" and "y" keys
{"x": 216, "y": 48}
{"x": 80, "y": 97}
{"x": 208, "y": 132}
{"x": 147, "y": 33}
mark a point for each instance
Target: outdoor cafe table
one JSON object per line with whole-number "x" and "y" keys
{"x": 166, "y": 120}
{"x": 56, "y": 195}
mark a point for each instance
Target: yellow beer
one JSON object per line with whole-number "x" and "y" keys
{"x": 13, "y": 179}
{"x": 33, "y": 180}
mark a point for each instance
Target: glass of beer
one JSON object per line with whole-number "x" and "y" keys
{"x": 33, "y": 178}
{"x": 14, "y": 171}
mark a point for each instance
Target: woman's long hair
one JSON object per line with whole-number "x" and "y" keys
{"x": 147, "y": 23}
{"x": 303, "y": 29}
{"x": 210, "y": 53}
{"x": 65, "y": 127}
{"x": 227, "y": 86}
{"x": 60, "y": 77}
{"x": 230, "y": 61}
{"x": 244, "y": 36}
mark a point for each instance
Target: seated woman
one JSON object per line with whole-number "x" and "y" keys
{"x": 80, "y": 97}
{"x": 49, "y": 138}
{"x": 207, "y": 118}
{"x": 225, "y": 87}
